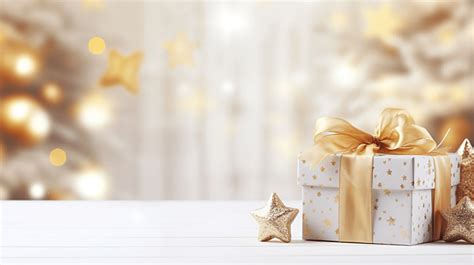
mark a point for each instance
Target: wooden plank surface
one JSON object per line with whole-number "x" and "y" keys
{"x": 185, "y": 232}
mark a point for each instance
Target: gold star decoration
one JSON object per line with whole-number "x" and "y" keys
{"x": 466, "y": 187}
{"x": 122, "y": 70}
{"x": 381, "y": 22}
{"x": 391, "y": 221}
{"x": 460, "y": 221}
{"x": 327, "y": 223}
{"x": 275, "y": 220}
{"x": 404, "y": 234}
{"x": 180, "y": 51}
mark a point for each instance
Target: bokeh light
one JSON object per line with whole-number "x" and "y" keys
{"x": 22, "y": 117}
{"x": 94, "y": 111}
{"x": 25, "y": 65}
{"x": 52, "y": 93}
{"x": 37, "y": 191}
{"x": 57, "y": 157}
{"x": 96, "y": 45}
{"x": 91, "y": 184}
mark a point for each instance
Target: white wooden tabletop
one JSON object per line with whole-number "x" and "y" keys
{"x": 179, "y": 232}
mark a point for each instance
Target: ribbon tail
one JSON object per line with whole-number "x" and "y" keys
{"x": 444, "y": 139}
{"x": 441, "y": 193}
{"x": 355, "y": 198}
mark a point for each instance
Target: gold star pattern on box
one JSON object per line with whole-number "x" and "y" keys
{"x": 402, "y": 213}
{"x": 123, "y": 70}
{"x": 275, "y": 220}
{"x": 381, "y": 22}
{"x": 180, "y": 51}
{"x": 460, "y": 222}
{"x": 391, "y": 221}
{"x": 466, "y": 187}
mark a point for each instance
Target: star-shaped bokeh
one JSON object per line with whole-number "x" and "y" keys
{"x": 180, "y": 51}
{"x": 123, "y": 70}
{"x": 460, "y": 222}
{"x": 382, "y": 22}
{"x": 275, "y": 220}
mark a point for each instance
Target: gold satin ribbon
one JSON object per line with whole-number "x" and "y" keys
{"x": 355, "y": 199}
{"x": 441, "y": 195}
{"x": 397, "y": 134}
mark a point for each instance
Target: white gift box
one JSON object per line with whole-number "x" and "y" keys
{"x": 402, "y": 188}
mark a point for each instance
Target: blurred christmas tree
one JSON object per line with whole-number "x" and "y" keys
{"x": 417, "y": 55}
{"x": 44, "y": 151}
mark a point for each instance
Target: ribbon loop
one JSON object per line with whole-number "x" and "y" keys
{"x": 396, "y": 134}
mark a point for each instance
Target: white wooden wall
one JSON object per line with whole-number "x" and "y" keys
{"x": 244, "y": 143}
{"x": 231, "y": 126}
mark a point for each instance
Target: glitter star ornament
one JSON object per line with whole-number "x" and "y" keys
{"x": 275, "y": 220}
{"x": 180, "y": 51}
{"x": 123, "y": 70}
{"x": 466, "y": 187}
{"x": 460, "y": 222}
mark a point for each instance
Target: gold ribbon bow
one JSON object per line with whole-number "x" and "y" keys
{"x": 396, "y": 134}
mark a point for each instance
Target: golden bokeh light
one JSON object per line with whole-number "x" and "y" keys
{"x": 22, "y": 117}
{"x": 93, "y": 4}
{"x": 37, "y": 191}
{"x": 432, "y": 93}
{"x": 91, "y": 184}
{"x": 198, "y": 103}
{"x": 18, "y": 110}
{"x": 25, "y": 65}
{"x": 19, "y": 64}
{"x": 96, "y": 45}
{"x": 51, "y": 93}
{"x": 382, "y": 22}
{"x": 38, "y": 124}
{"x": 94, "y": 111}
{"x": 57, "y": 157}
{"x": 458, "y": 94}
{"x": 446, "y": 34}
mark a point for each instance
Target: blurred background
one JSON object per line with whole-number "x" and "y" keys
{"x": 213, "y": 100}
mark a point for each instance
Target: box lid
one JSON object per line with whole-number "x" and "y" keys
{"x": 393, "y": 172}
